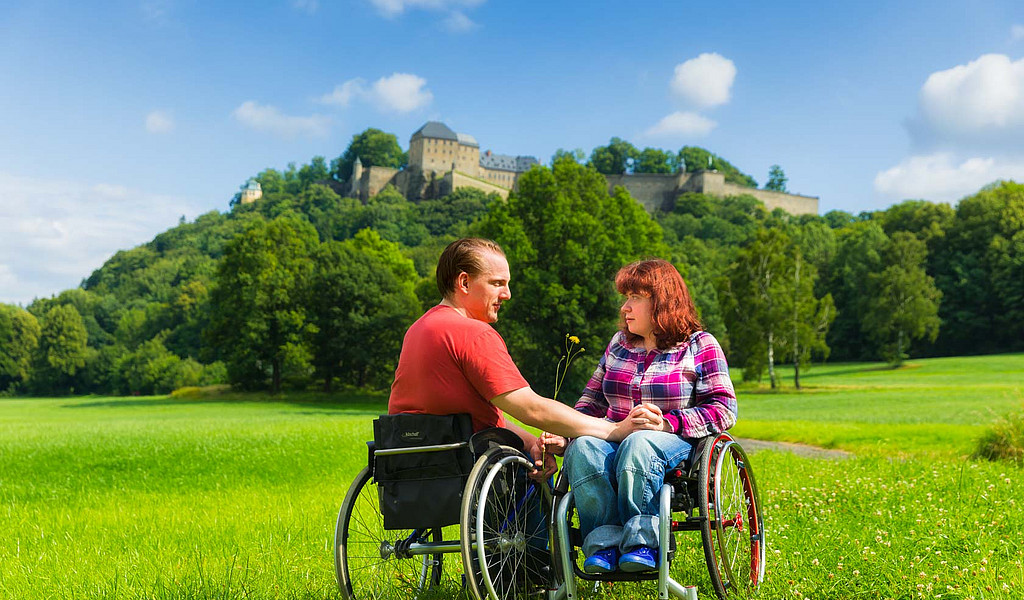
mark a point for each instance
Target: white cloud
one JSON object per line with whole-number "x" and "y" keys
{"x": 682, "y": 124}
{"x": 307, "y": 6}
{"x": 982, "y": 101}
{"x": 159, "y": 121}
{"x": 1017, "y": 32}
{"x": 155, "y": 10}
{"x": 704, "y": 81}
{"x": 343, "y": 94}
{"x": 53, "y": 234}
{"x": 391, "y": 8}
{"x": 8, "y": 280}
{"x": 269, "y": 119}
{"x": 458, "y": 22}
{"x": 938, "y": 177}
{"x": 401, "y": 92}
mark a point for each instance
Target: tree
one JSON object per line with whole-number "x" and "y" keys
{"x": 614, "y": 159}
{"x": 903, "y": 300}
{"x": 453, "y": 213}
{"x": 373, "y": 148}
{"x": 776, "y": 179}
{"x": 758, "y": 302}
{"x": 565, "y": 238}
{"x": 577, "y": 155}
{"x": 361, "y": 309}
{"x": 979, "y": 267}
{"x": 695, "y": 158}
{"x": 259, "y": 323}
{"x": 858, "y": 254}
{"x": 654, "y": 160}
{"x": 19, "y": 338}
{"x": 62, "y": 350}
{"x": 811, "y": 317}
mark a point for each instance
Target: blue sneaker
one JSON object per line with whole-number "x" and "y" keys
{"x": 602, "y": 561}
{"x": 641, "y": 558}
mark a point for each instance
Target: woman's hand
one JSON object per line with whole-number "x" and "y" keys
{"x": 648, "y": 417}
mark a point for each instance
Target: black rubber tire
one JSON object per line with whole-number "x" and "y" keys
{"x": 732, "y": 530}
{"x": 511, "y": 570}
{"x": 361, "y": 572}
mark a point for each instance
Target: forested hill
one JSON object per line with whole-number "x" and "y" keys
{"x": 304, "y": 288}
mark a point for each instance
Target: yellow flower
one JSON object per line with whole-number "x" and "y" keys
{"x": 574, "y": 339}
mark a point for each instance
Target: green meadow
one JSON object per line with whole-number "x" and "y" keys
{"x": 236, "y": 496}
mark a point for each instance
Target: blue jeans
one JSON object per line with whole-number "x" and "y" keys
{"x": 616, "y": 487}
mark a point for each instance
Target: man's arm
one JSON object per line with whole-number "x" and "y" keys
{"x": 548, "y": 415}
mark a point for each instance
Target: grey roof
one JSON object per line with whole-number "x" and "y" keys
{"x": 505, "y": 162}
{"x": 435, "y": 130}
{"x": 252, "y": 184}
{"x": 467, "y": 140}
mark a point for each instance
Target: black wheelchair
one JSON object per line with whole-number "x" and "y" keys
{"x": 433, "y": 488}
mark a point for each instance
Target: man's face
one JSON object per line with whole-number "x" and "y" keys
{"x": 487, "y": 289}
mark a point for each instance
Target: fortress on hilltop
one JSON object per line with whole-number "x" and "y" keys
{"x": 442, "y": 161}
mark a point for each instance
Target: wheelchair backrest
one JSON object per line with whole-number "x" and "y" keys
{"x": 420, "y": 465}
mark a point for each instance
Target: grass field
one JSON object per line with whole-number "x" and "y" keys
{"x": 236, "y": 498}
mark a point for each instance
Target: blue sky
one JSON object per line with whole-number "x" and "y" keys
{"x": 118, "y": 118}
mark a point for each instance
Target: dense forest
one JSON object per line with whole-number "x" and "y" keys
{"x": 305, "y": 289}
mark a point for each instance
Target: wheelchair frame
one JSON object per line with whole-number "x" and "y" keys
{"x": 732, "y": 534}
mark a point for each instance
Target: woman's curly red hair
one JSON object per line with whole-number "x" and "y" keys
{"x": 672, "y": 310}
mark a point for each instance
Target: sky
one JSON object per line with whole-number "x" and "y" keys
{"x": 119, "y": 118}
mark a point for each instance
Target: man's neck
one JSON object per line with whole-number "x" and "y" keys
{"x": 450, "y": 304}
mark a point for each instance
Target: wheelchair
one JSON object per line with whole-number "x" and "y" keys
{"x": 398, "y": 524}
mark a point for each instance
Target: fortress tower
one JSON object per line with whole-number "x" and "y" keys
{"x": 251, "y": 192}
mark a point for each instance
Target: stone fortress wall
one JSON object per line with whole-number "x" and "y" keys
{"x": 442, "y": 161}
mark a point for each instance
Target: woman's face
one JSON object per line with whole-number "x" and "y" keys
{"x": 636, "y": 311}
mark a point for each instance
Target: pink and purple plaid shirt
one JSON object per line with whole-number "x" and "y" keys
{"x": 689, "y": 383}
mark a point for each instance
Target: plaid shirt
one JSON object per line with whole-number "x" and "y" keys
{"x": 689, "y": 383}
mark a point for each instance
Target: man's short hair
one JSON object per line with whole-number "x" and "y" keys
{"x": 462, "y": 256}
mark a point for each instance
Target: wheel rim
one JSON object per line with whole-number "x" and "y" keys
{"x": 365, "y": 558}
{"x": 503, "y": 531}
{"x": 739, "y": 527}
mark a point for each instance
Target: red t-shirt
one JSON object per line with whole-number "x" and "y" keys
{"x": 453, "y": 364}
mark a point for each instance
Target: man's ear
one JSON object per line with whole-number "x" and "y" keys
{"x": 462, "y": 282}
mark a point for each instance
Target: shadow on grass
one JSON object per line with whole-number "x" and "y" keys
{"x": 850, "y": 371}
{"x": 324, "y": 404}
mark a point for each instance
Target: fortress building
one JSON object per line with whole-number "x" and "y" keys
{"x": 658, "y": 191}
{"x": 442, "y": 161}
{"x": 251, "y": 191}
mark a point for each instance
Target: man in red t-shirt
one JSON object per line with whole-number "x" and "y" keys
{"x": 453, "y": 361}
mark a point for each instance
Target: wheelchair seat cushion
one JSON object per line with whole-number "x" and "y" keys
{"x": 421, "y": 488}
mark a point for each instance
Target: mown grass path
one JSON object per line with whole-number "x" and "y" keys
{"x": 169, "y": 498}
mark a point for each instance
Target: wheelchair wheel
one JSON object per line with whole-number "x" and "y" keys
{"x": 733, "y": 528}
{"x": 504, "y": 533}
{"x": 365, "y": 560}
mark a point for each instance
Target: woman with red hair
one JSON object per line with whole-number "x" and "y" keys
{"x": 667, "y": 375}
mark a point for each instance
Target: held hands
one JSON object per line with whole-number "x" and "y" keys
{"x": 554, "y": 444}
{"x": 647, "y": 417}
{"x": 543, "y": 461}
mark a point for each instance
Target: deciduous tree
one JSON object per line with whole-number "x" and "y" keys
{"x": 372, "y": 147}
{"x": 259, "y": 322}
{"x": 62, "y": 350}
{"x": 903, "y": 300}
{"x": 776, "y": 179}
{"x": 19, "y": 337}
